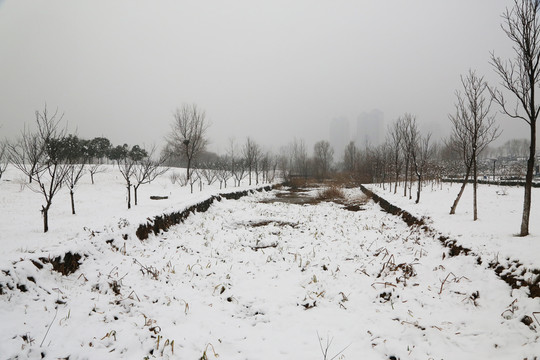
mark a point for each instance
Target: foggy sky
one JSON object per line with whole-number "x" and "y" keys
{"x": 272, "y": 70}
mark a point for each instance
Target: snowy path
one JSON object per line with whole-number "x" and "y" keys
{"x": 361, "y": 279}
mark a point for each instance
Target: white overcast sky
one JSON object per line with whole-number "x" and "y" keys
{"x": 272, "y": 70}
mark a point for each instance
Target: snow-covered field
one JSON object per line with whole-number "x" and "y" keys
{"x": 254, "y": 279}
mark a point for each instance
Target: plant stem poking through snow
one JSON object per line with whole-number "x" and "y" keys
{"x": 325, "y": 348}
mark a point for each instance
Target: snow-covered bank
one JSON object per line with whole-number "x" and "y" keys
{"x": 493, "y": 234}
{"x": 511, "y": 271}
{"x": 99, "y": 207}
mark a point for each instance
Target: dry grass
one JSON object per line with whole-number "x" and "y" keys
{"x": 361, "y": 199}
{"x": 301, "y": 182}
{"x": 331, "y": 192}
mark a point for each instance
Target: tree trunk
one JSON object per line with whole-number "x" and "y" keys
{"x": 397, "y": 180}
{"x": 419, "y": 188}
{"x": 456, "y": 201}
{"x": 45, "y": 212}
{"x": 92, "y": 177}
{"x": 188, "y": 167}
{"x": 135, "y": 188}
{"x": 406, "y": 177}
{"x": 71, "y": 194}
{"x": 410, "y": 186}
{"x": 528, "y": 183}
{"x": 475, "y": 187}
{"x": 129, "y": 195}
{"x": 31, "y": 173}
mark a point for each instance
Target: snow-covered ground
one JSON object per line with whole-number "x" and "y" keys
{"x": 249, "y": 279}
{"x": 499, "y": 218}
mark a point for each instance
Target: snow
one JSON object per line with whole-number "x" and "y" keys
{"x": 499, "y": 218}
{"x": 255, "y": 279}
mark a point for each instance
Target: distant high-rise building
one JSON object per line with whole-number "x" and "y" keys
{"x": 370, "y": 128}
{"x": 339, "y": 136}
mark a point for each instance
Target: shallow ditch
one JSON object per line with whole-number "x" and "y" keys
{"x": 162, "y": 223}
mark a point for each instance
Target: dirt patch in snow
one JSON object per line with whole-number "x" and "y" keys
{"x": 293, "y": 196}
{"x": 279, "y": 223}
{"x": 67, "y": 265}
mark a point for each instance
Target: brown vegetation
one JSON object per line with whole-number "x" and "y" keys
{"x": 331, "y": 193}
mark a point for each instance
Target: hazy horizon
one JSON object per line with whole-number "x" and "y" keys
{"x": 273, "y": 71}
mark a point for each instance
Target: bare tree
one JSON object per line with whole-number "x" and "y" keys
{"x": 300, "y": 160}
{"x": 421, "y": 155}
{"x": 251, "y": 153}
{"x": 126, "y": 160}
{"x": 407, "y": 145}
{"x": 239, "y": 168}
{"x": 322, "y": 156}
{"x": 193, "y": 177}
{"x": 209, "y": 172}
{"x": 273, "y": 163}
{"x": 520, "y": 76}
{"x": 395, "y": 143}
{"x": 232, "y": 156}
{"x": 27, "y": 152}
{"x": 223, "y": 172}
{"x": 386, "y": 157}
{"x": 147, "y": 170}
{"x": 39, "y": 156}
{"x": 409, "y": 135}
{"x": 76, "y": 157}
{"x": 473, "y": 129}
{"x": 265, "y": 166}
{"x": 349, "y": 157}
{"x": 4, "y": 157}
{"x": 188, "y": 134}
{"x": 285, "y": 162}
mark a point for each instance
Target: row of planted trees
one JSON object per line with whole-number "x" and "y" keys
{"x": 186, "y": 147}
{"x": 51, "y": 159}
{"x": 408, "y": 156}
{"x": 473, "y": 124}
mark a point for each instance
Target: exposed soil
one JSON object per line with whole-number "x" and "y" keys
{"x": 268, "y": 222}
{"x": 354, "y": 207}
{"x": 69, "y": 264}
{"x": 293, "y": 196}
